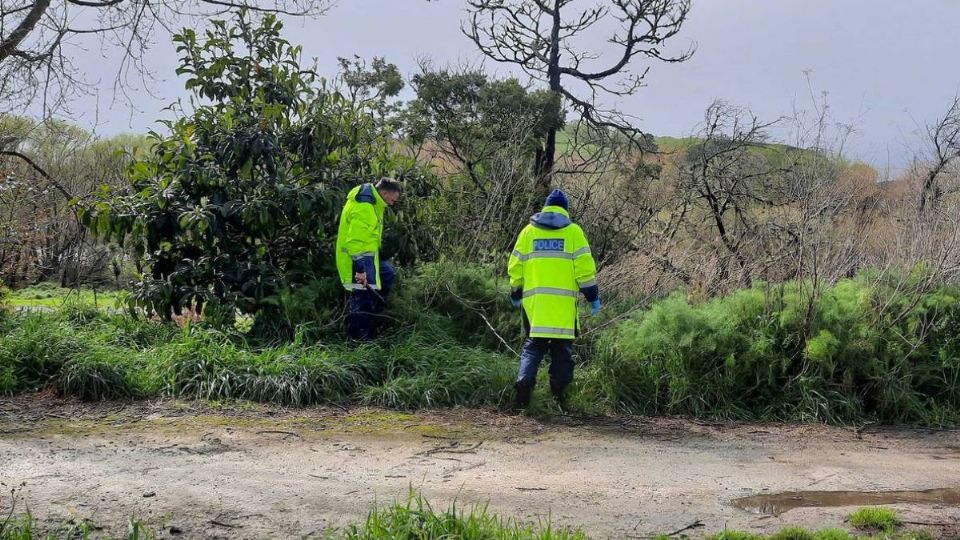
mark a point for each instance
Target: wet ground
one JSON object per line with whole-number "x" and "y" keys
{"x": 779, "y": 503}
{"x": 246, "y": 471}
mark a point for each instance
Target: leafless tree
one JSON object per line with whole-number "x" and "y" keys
{"x": 944, "y": 140}
{"x": 484, "y": 205}
{"x": 921, "y": 229}
{"x": 541, "y": 38}
{"x": 613, "y": 192}
{"x": 729, "y": 185}
{"x": 48, "y": 164}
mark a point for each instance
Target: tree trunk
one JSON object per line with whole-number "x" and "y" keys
{"x": 928, "y": 193}
{"x": 547, "y": 159}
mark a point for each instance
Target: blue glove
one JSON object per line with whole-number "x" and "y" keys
{"x": 594, "y": 307}
{"x": 515, "y": 302}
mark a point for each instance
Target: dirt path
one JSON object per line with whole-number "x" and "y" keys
{"x": 262, "y": 472}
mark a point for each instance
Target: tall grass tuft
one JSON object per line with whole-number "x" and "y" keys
{"x": 25, "y": 527}
{"x": 876, "y": 518}
{"x": 420, "y": 375}
{"x": 36, "y": 347}
{"x": 467, "y": 304}
{"x": 105, "y": 374}
{"x": 417, "y": 519}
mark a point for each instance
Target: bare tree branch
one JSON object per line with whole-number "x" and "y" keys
{"x": 95, "y": 4}
{"x": 53, "y": 182}
{"x": 944, "y": 137}
{"x": 36, "y": 57}
{"x": 9, "y": 43}
{"x": 537, "y": 36}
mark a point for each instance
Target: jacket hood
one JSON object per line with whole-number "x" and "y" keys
{"x": 369, "y": 194}
{"x": 366, "y": 194}
{"x": 552, "y": 217}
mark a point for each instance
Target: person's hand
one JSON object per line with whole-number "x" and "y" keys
{"x": 594, "y": 307}
{"x": 361, "y": 278}
{"x": 515, "y": 302}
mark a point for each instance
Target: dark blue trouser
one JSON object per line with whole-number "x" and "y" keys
{"x": 561, "y": 362}
{"x": 364, "y": 305}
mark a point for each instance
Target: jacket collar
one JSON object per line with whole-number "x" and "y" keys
{"x": 368, "y": 193}
{"x": 557, "y": 210}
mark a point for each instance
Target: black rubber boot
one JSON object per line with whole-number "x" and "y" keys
{"x": 522, "y": 397}
{"x": 560, "y": 395}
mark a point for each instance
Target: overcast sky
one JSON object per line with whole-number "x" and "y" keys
{"x": 888, "y": 66}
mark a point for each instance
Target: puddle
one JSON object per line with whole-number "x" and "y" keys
{"x": 781, "y": 502}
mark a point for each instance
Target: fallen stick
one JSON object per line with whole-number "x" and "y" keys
{"x": 859, "y": 430}
{"x": 441, "y": 437}
{"x": 482, "y": 316}
{"x": 453, "y": 448}
{"x": 279, "y": 432}
{"x": 693, "y": 525}
{"x": 463, "y": 468}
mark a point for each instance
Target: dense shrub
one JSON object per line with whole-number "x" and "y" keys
{"x": 36, "y": 347}
{"x": 450, "y": 300}
{"x": 864, "y": 349}
{"x": 236, "y": 206}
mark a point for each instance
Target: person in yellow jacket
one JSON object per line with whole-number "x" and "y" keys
{"x": 362, "y": 273}
{"x": 550, "y": 265}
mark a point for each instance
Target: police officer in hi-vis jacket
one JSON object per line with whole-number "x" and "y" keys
{"x": 550, "y": 265}
{"x": 362, "y": 273}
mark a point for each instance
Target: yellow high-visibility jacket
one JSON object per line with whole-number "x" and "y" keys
{"x": 359, "y": 236}
{"x": 550, "y": 263}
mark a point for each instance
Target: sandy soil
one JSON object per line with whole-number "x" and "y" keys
{"x": 204, "y": 471}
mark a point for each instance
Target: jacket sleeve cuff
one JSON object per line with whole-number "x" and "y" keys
{"x": 591, "y": 293}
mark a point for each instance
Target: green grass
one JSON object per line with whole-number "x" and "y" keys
{"x": 49, "y": 296}
{"x": 793, "y": 533}
{"x": 799, "y": 533}
{"x": 676, "y": 144}
{"x": 25, "y": 527}
{"x": 831, "y": 534}
{"x": 875, "y": 518}
{"x": 865, "y": 350}
{"x": 96, "y": 355}
{"x": 417, "y": 519}
{"x": 734, "y": 535}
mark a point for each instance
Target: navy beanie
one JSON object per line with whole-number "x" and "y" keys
{"x": 557, "y": 198}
